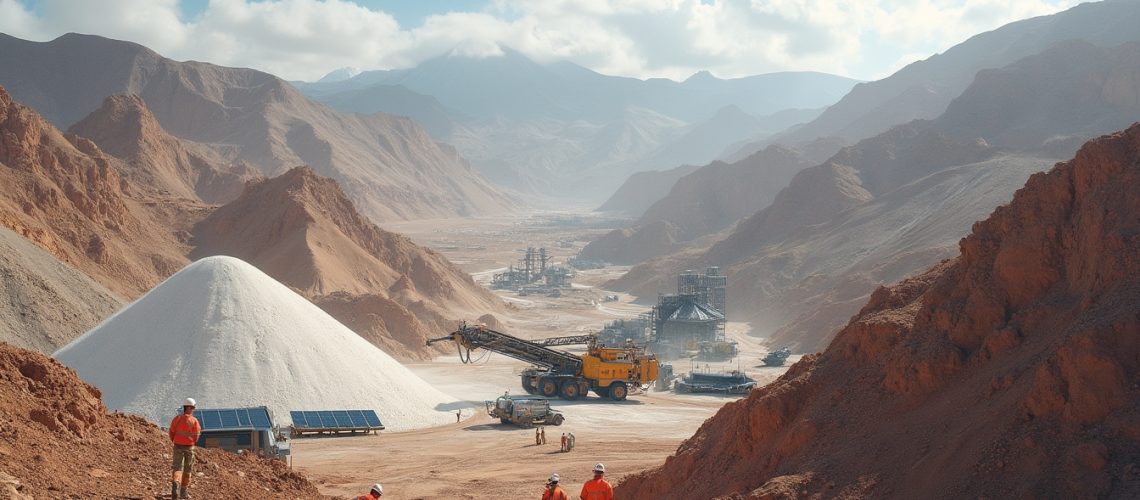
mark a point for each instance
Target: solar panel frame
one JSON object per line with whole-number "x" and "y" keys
{"x": 220, "y": 419}
{"x": 308, "y": 421}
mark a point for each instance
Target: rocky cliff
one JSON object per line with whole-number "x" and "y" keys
{"x": 67, "y": 196}
{"x": 58, "y": 441}
{"x": 124, "y": 128}
{"x": 1006, "y": 372}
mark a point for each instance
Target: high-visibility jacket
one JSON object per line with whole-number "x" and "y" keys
{"x": 184, "y": 430}
{"x": 366, "y": 497}
{"x": 597, "y": 489}
{"x": 554, "y": 493}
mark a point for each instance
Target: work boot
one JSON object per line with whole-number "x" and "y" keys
{"x": 185, "y": 494}
{"x": 185, "y": 488}
{"x": 173, "y": 490}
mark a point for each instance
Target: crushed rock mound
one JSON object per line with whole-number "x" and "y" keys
{"x": 58, "y": 441}
{"x": 1008, "y": 372}
{"x": 227, "y": 334}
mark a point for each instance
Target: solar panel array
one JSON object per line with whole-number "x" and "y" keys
{"x": 234, "y": 418}
{"x": 335, "y": 421}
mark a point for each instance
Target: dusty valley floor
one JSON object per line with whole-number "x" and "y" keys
{"x": 479, "y": 457}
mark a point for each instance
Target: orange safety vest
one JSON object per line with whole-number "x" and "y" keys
{"x": 555, "y": 493}
{"x": 184, "y": 430}
{"x": 597, "y": 489}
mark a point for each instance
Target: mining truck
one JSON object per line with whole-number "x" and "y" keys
{"x": 608, "y": 371}
{"x": 523, "y": 411}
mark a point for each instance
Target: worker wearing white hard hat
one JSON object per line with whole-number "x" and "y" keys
{"x": 184, "y": 432}
{"x": 598, "y": 488}
{"x": 375, "y": 492}
{"x": 553, "y": 490}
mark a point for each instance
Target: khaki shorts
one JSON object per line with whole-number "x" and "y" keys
{"x": 183, "y": 458}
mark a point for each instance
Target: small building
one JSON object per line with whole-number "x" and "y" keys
{"x": 240, "y": 429}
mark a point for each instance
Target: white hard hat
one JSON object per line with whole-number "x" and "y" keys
{"x": 554, "y": 477}
{"x": 599, "y": 468}
{"x": 378, "y": 488}
{"x": 189, "y": 402}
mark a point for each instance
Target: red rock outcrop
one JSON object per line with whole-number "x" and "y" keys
{"x": 58, "y": 441}
{"x": 125, "y": 128}
{"x": 1008, "y": 372}
{"x": 303, "y": 231}
{"x": 67, "y": 197}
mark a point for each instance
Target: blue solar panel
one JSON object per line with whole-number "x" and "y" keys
{"x": 336, "y": 420}
{"x": 298, "y": 418}
{"x": 357, "y": 418}
{"x": 234, "y": 418}
{"x": 372, "y": 419}
{"x": 229, "y": 418}
{"x": 314, "y": 419}
{"x": 259, "y": 419}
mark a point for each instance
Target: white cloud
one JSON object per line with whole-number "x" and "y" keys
{"x": 304, "y": 39}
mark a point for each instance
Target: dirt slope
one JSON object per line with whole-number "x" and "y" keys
{"x": 388, "y": 165}
{"x": 302, "y": 230}
{"x": 1005, "y": 373}
{"x": 66, "y": 196}
{"x": 44, "y": 304}
{"x": 58, "y": 441}
{"x": 123, "y": 127}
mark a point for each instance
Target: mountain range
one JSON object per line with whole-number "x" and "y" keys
{"x": 388, "y": 165}
{"x": 897, "y": 202}
{"x": 562, "y": 130}
{"x": 89, "y": 210}
{"x": 924, "y": 89}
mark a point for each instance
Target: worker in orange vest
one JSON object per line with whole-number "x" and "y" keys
{"x": 598, "y": 488}
{"x": 184, "y": 432}
{"x": 553, "y": 490}
{"x": 377, "y": 491}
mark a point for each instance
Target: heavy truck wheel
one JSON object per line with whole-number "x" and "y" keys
{"x": 557, "y": 420}
{"x": 527, "y": 385}
{"x": 618, "y": 391}
{"x": 548, "y": 387}
{"x": 570, "y": 390}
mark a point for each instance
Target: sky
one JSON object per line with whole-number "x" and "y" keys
{"x": 306, "y": 39}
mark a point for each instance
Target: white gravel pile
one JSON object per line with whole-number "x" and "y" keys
{"x": 228, "y": 335}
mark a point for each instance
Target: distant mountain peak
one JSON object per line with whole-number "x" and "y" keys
{"x": 340, "y": 74}
{"x": 701, "y": 76}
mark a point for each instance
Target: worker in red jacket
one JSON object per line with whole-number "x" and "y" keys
{"x": 598, "y": 488}
{"x": 184, "y": 432}
{"x": 377, "y": 491}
